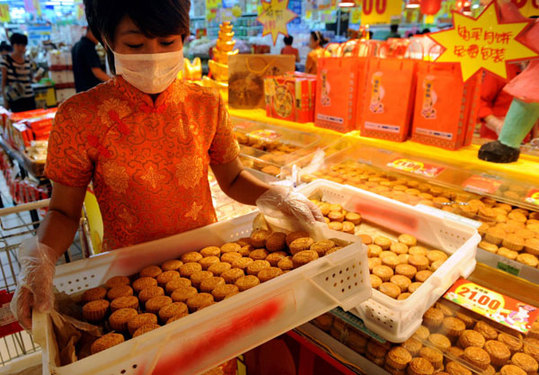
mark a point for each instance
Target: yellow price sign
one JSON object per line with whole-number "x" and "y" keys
{"x": 275, "y": 17}
{"x": 4, "y": 13}
{"x": 490, "y": 304}
{"x": 379, "y": 11}
{"x": 482, "y": 43}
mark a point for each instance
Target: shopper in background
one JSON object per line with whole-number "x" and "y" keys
{"x": 5, "y": 49}
{"x": 86, "y": 64}
{"x": 17, "y": 77}
{"x": 495, "y": 102}
{"x": 288, "y": 49}
{"x": 316, "y": 43}
{"x": 394, "y": 32}
{"x": 146, "y": 141}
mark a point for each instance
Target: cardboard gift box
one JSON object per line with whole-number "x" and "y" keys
{"x": 290, "y": 97}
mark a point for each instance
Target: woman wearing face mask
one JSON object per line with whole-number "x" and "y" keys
{"x": 316, "y": 43}
{"x": 145, "y": 140}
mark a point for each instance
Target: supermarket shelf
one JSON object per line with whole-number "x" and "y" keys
{"x": 525, "y": 169}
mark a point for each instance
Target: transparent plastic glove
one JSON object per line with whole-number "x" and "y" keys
{"x": 283, "y": 202}
{"x": 34, "y": 282}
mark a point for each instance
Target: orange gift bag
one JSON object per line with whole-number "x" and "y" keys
{"x": 445, "y": 107}
{"x": 388, "y": 99}
{"x": 339, "y": 85}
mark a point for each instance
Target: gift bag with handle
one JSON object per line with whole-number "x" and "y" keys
{"x": 445, "y": 107}
{"x": 338, "y": 87}
{"x": 388, "y": 98}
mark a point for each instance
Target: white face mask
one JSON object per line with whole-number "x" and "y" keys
{"x": 150, "y": 73}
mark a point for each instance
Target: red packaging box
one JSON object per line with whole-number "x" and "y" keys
{"x": 290, "y": 97}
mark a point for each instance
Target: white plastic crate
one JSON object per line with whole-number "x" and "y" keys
{"x": 222, "y": 331}
{"x": 397, "y": 320}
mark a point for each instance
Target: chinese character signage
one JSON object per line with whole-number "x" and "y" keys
{"x": 495, "y": 306}
{"x": 416, "y": 167}
{"x": 482, "y": 43}
{"x": 275, "y": 18}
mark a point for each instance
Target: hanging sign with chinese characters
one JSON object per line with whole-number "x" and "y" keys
{"x": 380, "y": 11}
{"x": 482, "y": 43}
{"x": 275, "y": 17}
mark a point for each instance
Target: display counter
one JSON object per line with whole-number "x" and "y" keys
{"x": 526, "y": 169}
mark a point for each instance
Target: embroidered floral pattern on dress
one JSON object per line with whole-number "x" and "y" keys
{"x": 148, "y": 167}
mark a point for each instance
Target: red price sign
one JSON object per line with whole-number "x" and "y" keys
{"x": 416, "y": 167}
{"x": 482, "y": 184}
{"x": 495, "y": 306}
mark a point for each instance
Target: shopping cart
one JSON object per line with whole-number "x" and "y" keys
{"x": 17, "y": 224}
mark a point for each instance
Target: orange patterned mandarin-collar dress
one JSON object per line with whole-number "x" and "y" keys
{"x": 148, "y": 161}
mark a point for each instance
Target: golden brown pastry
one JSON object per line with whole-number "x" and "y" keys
{"x": 187, "y": 269}
{"x": 486, "y": 330}
{"x": 259, "y": 237}
{"x": 422, "y": 276}
{"x": 230, "y": 257}
{"x": 433, "y": 318}
{"x": 106, "y": 341}
{"x": 223, "y": 291}
{"x": 200, "y": 301}
{"x": 401, "y": 281}
{"x": 94, "y": 294}
{"x": 182, "y": 294}
{"x": 177, "y": 283}
{"x": 383, "y": 272}
{"x": 525, "y": 362}
{"x": 434, "y": 356}
{"x": 477, "y": 357}
{"x": 269, "y": 273}
{"x": 420, "y": 366}
{"x": 119, "y": 291}
{"x": 511, "y": 370}
{"x": 303, "y": 257}
{"x": 139, "y": 320}
{"x": 96, "y": 310}
{"x": 390, "y": 289}
{"x": 209, "y": 284}
{"x": 197, "y": 277}
{"x": 453, "y": 327}
{"x": 413, "y": 346}
{"x": 258, "y": 254}
{"x": 191, "y": 257}
{"x": 498, "y": 352}
{"x": 406, "y": 270}
{"x": 209, "y": 261}
{"x": 276, "y": 242}
{"x": 398, "y": 358}
{"x": 116, "y": 281}
{"x": 274, "y": 258}
{"x": 150, "y": 271}
{"x": 471, "y": 338}
{"x": 210, "y": 251}
{"x": 149, "y": 293}
{"x": 247, "y": 282}
{"x": 118, "y": 320}
{"x": 131, "y": 302}
{"x": 439, "y": 341}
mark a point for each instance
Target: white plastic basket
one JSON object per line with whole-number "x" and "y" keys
{"x": 392, "y": 319}
{"x": 209, "y": 337}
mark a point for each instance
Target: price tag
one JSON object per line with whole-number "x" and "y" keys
{"x": 416, "y": 167}
{"x": 492, "y": 305}
{"x": 481, "y": 184}
{"x": 275, "y": 17}
{"x": 533, "y": 197}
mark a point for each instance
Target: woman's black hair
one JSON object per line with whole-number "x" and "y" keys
{"x": 154, "y": 18}
{"x": 18, "y": 38}
{"x": 317, "y": 35}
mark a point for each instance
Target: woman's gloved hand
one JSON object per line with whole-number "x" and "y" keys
{"x": 279, "y": 200}
{"x": 34, "y": 282}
